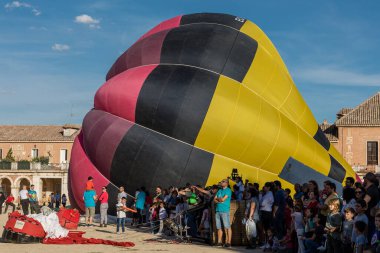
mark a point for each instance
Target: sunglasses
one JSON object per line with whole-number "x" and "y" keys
{"x": 358, "y": 192}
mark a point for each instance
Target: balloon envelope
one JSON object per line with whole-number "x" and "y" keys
{"x": 193, "y": 98}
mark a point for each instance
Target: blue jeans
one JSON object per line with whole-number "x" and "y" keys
{"x": 311, "y": 246}
{"x": 120, "y": 222}
{"x": 224, "y": 217}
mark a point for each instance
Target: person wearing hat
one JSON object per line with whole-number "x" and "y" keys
{"x": 371, "y": 198}
{"x": 222, "y": 214}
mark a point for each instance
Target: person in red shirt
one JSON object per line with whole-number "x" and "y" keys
{"x": 312, "y": 203}
{"x": 103, "y": 206}
{"x": 9, "y": 202}
{"x": 90, "y": 184}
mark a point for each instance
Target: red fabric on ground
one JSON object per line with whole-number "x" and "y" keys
{"x": 75, "y": 237}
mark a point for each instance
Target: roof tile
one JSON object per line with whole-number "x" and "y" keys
{"x": 29, "y": 133}
{"x": 365, "y": 114}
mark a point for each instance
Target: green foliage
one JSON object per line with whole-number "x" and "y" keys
{"x": 41, "y": 159}
{"x": 9, "y": 157}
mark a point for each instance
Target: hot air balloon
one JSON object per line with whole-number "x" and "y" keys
{"x": 193, "y": 98}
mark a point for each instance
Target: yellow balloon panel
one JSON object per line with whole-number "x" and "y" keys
{"x": 260, "y": 72}
{"x": 253, "y": 31}
{"x": 219, "y": 115}
{"x": 295, "y": 107}
{"x": 278, "y": 88}
{"x": 285, "y": 147}
{"x": 243, "y": 125}
{"x": 264, "y": 136}
{"x": 221, "y": 168}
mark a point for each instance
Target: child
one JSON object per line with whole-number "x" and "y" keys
{"x": 299, "y": 226}
{"x": 360, "y": 208}
{"x": 309, "y": 223}
{"x": 286, "y": 243}
{"x": 268, "y": 246}
{"x": 348, "y": 226}
{"x": 204, "y": 226}
{"x": 360, "y": 227}
{"x": 375, "y": 241}
{"x": 314, "y": 240}
{"x": 162, "y": 215}
{"x": 90, "y": 184}
{"x": 121, "y": 215}
{"x": 333, "y": 227}
{"x": 153, "y": 217}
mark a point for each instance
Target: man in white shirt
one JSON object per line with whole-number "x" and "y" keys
{"x": 266, "y": 207}
{"x": 24, "y": 200}
{"x": 121, "y": 194}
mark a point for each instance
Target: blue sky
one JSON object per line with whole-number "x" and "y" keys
{"x": 54, "y": 55}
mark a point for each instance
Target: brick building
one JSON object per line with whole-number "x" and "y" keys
{"x": 29, "y": 144}
{"x": 356, "y": 134}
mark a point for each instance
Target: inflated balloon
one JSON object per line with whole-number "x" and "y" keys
{"x": 193, "y": 98}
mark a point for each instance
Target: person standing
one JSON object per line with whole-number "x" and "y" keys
{"x": 333, "y": 227}
{"x": 121, "y": 194}
{"x": 121, "y": 215}
{"x": 222, "y": 201}
{"x": 252, "y": 214}
{"x": 372, "y": 199}
{"x": 266, "y": 215}
{"x": 33, "y": 200}
{"x": 103, "y": 198}
{"x": 64, "y": 200}
{"x": 57, "y": 200}
{"x": 140, "y": 202}
{"x": 2, "y": 200}
{"x": 89, "y": 198}
{"x": 159, "y": 196}
{"x": 279, "y": 210}
{"x": 9, "y": 202}
{"x": 24, "y": 200}
{"x": 52, "y": 200}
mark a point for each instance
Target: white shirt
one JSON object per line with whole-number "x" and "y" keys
{"x": 162, "y": 214}
{"x": 24, "y": 194}
{"x": 120, "y": 214}
{"x": 267, "y": 202}
{"x": 120, "y": 195}
{"x": 298, "y": 220}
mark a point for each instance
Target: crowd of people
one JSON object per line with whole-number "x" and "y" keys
{"x": 309, "y": 218}
{"x": 28, "y": 202}
{"x": 305, "y": 219}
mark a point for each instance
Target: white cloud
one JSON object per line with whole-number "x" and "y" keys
{"x": 336, "y": 76}
{"x": 88, "y": 20}
{"x": 60, "y": 47}
{"x": 18, "y": 4}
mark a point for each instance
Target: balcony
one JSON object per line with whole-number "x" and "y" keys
{"x": 25, "y": 165}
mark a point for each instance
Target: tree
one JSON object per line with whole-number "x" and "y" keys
{"x": 10, "y": 157}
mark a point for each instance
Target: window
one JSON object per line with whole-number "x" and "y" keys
{"x": 1, "y": 154}
{"x": 34, "y": 153}
{"x": 372, "y": 153}
{"x": 63, "y": 156}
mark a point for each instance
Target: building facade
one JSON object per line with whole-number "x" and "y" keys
{"x": 356, "y": 134}
{"x": 36, "y": 155}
